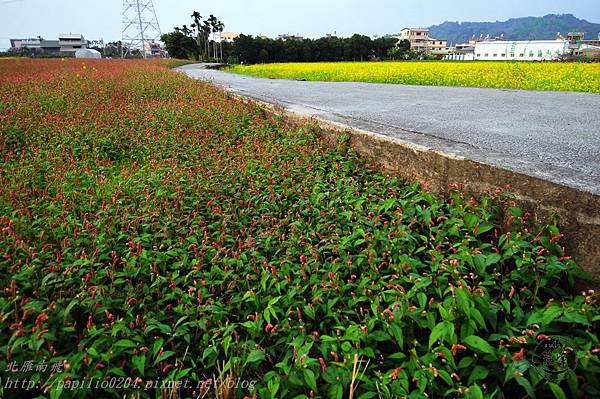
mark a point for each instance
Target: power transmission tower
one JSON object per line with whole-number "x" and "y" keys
{"x": 140, "y": 27}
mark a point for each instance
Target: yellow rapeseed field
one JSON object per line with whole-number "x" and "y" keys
{"x": 583, "y": 77}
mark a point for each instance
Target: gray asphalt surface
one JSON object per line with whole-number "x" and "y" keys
{"x": 552, "y": 135}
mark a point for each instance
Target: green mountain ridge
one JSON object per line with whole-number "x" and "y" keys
{"x": 527, "y": 28}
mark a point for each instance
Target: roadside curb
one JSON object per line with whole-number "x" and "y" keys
{"x": 442, "y": 172}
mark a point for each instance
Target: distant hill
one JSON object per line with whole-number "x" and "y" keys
{"x": 516, "y": 28}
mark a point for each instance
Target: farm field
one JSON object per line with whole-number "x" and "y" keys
{"x": 581, "y": 77}
{"x": 154, "y": 228}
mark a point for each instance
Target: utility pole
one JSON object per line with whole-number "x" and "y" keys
{"x": 140, "y": 27}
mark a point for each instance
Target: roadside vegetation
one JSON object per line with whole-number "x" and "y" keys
{"x": 581, "y": 77}
{"x": 155, "y": 228}
{"x": 199, "y": 40}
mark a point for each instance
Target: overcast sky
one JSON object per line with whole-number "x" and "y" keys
{"x": 101, "y": 19}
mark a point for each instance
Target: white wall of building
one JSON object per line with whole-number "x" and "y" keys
{"x": 534, "y": 50}
{"x": 459, "y": 57}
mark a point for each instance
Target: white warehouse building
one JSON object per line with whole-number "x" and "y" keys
{"x": 533, "y": 50}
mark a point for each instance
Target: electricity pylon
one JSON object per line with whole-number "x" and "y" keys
{"x": 140, "y": 27}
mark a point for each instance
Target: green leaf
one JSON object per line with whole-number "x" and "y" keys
{"x": 309, "y": 311}
{"x": 92, "y": 351}
{"x": 139, "y": 363}
{"x": 475, "y": 392}
{"x": 336, "y": 391}
{"x": 156, "y": 347}
{"x": 465, "y": 362}
{"x": 439, "y": 331}
{"x": 255, "y": 356}
{"x": 390, "y": 202}
{"x": 516, "y": 212}
{"x": 116, "y": 371}
{"x": 479, "y": 263}
{"x": 396, "y": 331}
{"x": 379, "y": 336}
{"x": 576, "y": 317}
{"x": 463, "y": 301}
{"x": 445, "y": 376}
{"x": 69, "y": 307}
{"x": 56, "y": 391}
{"x": 358, "y": 204}
{"x": 163, "y": 356}
{"x": 273, "y": 386}
{"x": 478, "y": 373}
{"x": 550, "y": 314}
{"x": 475, "y": 342}
{"x": 422, "y": 298}
{"x": 471, "y": 220}
{"x": 478, "y": 318}
{"x": 535, "y": 317}
{"x": 309, "y": 377}
{"x": 367, "y": 395}
{"x": 484, "y": 228}
{"x": 125, "y": 343}
{"x": 492, "y": 259}
{"x": 527, "y": 386}
{"x": 358, "y": 242}
{"x": 557, "y": 391}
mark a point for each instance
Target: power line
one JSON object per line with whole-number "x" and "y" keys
{"x": 140, "y": 25}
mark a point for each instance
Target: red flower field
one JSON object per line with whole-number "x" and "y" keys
{"x": 161, "y": 237}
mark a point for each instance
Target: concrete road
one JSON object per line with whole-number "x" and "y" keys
{"x": 552, "y": 135}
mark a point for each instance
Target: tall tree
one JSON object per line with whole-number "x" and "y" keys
{"x": 204, "y": 33}
{"x": 220, "y": 28}
{"x": 212, "y": 20}
{"x": 197, "y": 28}
{"x": 358, "y": 47}
{"x": 206, "y": 30}
{"x": 179, "y": 45}
{"x": 185, "y": 30}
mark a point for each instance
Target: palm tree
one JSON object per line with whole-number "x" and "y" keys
{"x": 196, "y": 34}
{"x": 206, "y": 30}
{"x": 213, "y": 29}
{"x": 196, "y": 17}
{"x": 220, "y": 28}
{"x": 197, "y": 28}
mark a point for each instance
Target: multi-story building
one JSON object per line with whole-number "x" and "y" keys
{"x": 437, "y": 47}
{"x": 153, "y": 49}
{"x": 67, "y": 44}
{"x": 579, "y": 46}
{"x": 531, "y": 50}
{"x": 70, "y": 43}
{"x": 38, "y": 44}
{"x": 50, "y": 46}
{"x": 575, "y": 36}
{"x": 418, "y": 38}
{"x": 16, "y": 44}
{"x": 462, "y": 51}
{"x": 465, "y": 48}
{"x": 289, "y": 37}
{"x": 228, "y": 37}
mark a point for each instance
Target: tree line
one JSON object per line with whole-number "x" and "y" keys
{"x": 201, "y": 41}
{"x": 252, "y": 50}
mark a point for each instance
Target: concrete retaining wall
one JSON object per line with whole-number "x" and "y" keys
{"x": 440, "y": 172}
